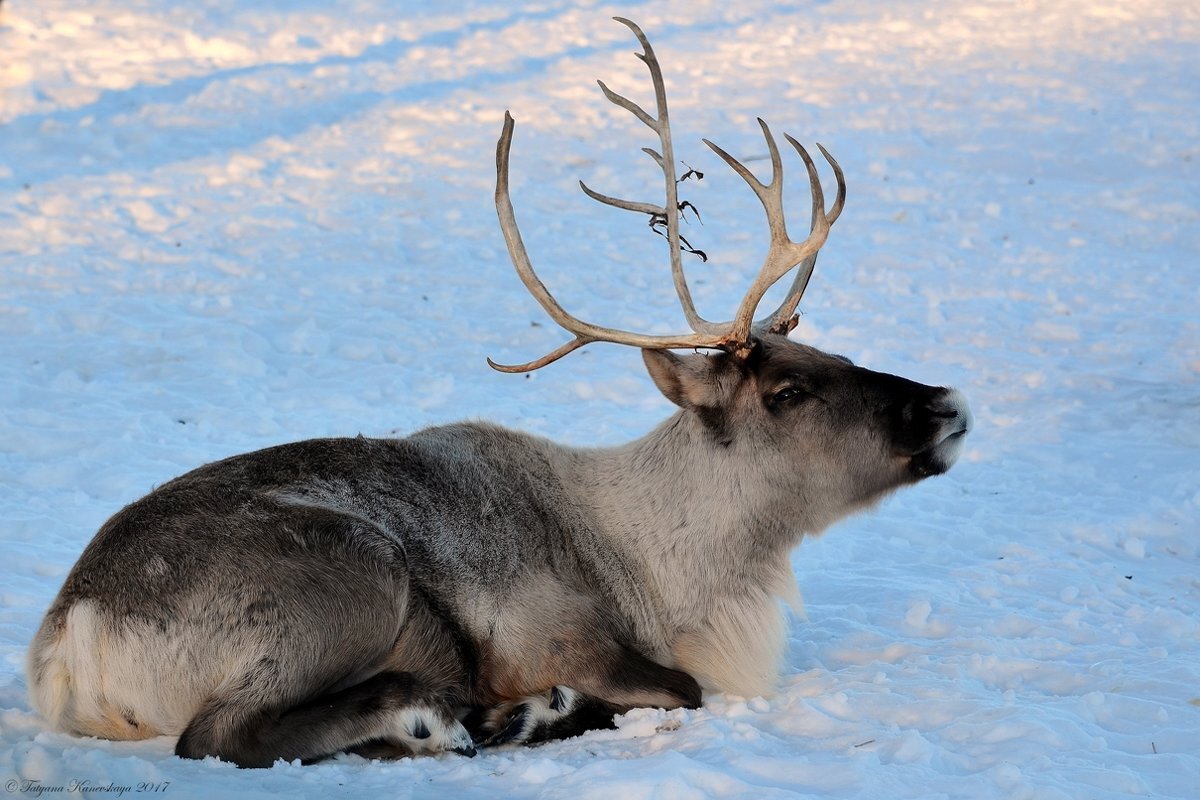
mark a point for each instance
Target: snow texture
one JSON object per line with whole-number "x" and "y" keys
{"x": 227, "y": 224}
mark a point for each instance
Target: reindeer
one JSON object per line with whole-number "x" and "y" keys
{"x": 472, "y": 586}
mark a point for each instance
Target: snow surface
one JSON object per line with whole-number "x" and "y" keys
{"x": 225, "y": 225}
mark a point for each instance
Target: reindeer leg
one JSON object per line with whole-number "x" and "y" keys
{"x": 559, "y": 713}
{"x": 631, "y": 681}
{"x": 391, "y": 708}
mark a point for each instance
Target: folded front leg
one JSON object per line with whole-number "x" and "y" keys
{"x": 559, "y": 713}
{"x": 591, "y": 703}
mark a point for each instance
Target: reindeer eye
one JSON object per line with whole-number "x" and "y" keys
{"x": 788, "y": 396}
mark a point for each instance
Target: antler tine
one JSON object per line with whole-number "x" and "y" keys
{"x": 585, "y": 332}
{"x": 783, "y": 319}
{"x": 783, "y": 254}
{"x": 665, "y": 159}
{"x": 835, "y": 212}
{"x": 628, "y": 205}
{"x": 537, "y": 363}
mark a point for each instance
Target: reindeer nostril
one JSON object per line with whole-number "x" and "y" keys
{"x": 943, "y": 413}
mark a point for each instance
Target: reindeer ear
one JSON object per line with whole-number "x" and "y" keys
{"x": 687, "y": 381}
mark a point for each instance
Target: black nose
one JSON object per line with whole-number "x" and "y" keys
{"x": 947, "y": 405}
{"x": 918, "y": 415}
{"x": 924, "y": 403}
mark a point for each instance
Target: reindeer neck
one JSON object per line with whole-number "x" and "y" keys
{"x": 698, "y": 518}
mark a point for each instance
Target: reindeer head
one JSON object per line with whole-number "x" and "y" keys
{"x": 829, "y": 436}
{"x": 845, "y": 435}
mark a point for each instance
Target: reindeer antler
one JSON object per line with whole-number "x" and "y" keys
{"x": 783, "y": 254}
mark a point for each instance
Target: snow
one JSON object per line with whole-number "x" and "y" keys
{"x": 225, "y": 225}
